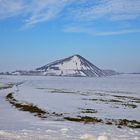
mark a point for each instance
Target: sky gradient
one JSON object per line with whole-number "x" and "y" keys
{"x": 36, "y": 32}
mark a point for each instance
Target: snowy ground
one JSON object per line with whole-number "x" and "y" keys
{"x": 109, "y": 99}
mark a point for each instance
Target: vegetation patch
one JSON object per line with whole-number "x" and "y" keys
{"x": 129, "y": 104}
{"x": 94, "y": 99}
{"x": 118, "y": 122}
{"x": 123, "y": 123}
{"x": 101, "y": 94}
{"x": 29, "y": 107}
{"x": 51, "y": 90}
{"x": 36, "y": 111}
{"x": 85, "y": 119}
{"x": 131, "y": 99}
{"x": 88, "y": 110}
{"x": 128, "y": 123}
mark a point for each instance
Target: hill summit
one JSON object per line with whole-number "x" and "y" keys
{"x": 74, "y": 65}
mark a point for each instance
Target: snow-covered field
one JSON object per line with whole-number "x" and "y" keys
{"x": 68, "y": 108}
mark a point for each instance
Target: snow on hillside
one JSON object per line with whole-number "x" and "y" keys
{"x": 75, "y": 65}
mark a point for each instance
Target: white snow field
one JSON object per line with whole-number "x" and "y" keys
{"x": 70, "y": 108}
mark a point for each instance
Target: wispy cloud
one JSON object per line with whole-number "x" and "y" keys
{"x": 37, "y": 11}
{"x": 118, "y": 32}
{"x": 45, "y": 10}
{"x": 33, "y": 11}
{"x": 11, "y": 8}
{"x": 76, "y": 29}
{"x": 108, "y": 9}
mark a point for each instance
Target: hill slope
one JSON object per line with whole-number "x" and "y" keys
{"x": 74, "y": 65}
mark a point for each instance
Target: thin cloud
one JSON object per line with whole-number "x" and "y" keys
{"x": 34, "y": 11}
{"x": 9, "y": 8}
{"x": 76, "y": 29}
{"x": 118, "y": 32}
{"x": 45, "y": 10}
{"x": 109, "y": 9}
{"x": 37, "y": 11}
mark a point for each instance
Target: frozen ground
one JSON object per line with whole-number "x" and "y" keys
{"x": 75, "y": 108}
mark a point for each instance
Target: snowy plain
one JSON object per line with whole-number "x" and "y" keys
{"x": 114, "y": 97}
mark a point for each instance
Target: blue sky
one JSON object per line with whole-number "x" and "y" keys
{"x": 35, "y": 32}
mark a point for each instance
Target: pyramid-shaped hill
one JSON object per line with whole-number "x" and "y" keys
{"x": 74, "y": 65}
